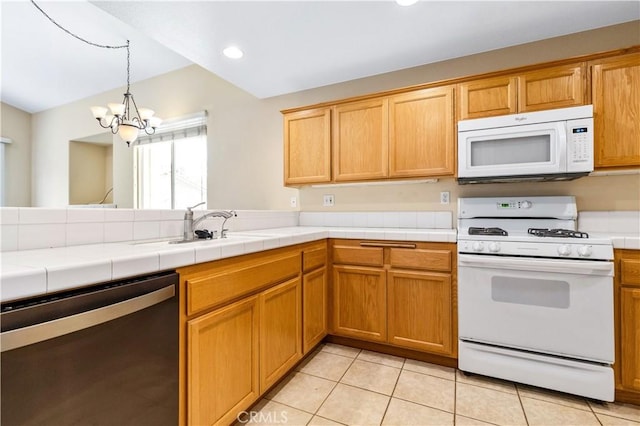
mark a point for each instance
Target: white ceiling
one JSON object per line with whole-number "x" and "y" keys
{"x": 289, "y": 45}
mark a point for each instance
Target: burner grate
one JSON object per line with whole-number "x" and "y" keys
{"x": 562, "y": 233}
{"x": 487, "y": 231}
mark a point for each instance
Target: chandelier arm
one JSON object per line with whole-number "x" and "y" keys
{"x": 142, "y": 124}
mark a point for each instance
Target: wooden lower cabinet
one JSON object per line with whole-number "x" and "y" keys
{"x": 407, "y": 300}
{"x": 360, "y": 302}
{"x": 241, "y": 327}
{"x": 223, "y": 363}
{"x": 314, "y": 308}
{"x": 627, "y": 325}
{"x": 419, "y": 313}
{"x": 630, "y": 338}
{"x": 280, "y": 331}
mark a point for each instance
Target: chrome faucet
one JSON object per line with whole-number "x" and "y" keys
{"x": 190, "y": 224}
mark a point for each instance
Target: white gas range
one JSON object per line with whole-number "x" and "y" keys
{"x": 535, "y": 295}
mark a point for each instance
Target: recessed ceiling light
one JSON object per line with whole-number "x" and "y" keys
{"x": 406, "y": 2}
{"x": 233, "y": 52}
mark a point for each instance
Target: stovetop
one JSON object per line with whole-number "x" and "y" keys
{"x": 529, "y": 227}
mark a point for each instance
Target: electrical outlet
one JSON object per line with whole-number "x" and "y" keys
{"x": 293, "y": 202}
{"x": 328, "y": 200}
{"x": 444, "y": 197}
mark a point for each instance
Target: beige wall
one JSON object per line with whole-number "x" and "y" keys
{"x": 88, "y": 175}
{"x": 245, "y": 135}
{"x": 15, "y": 124}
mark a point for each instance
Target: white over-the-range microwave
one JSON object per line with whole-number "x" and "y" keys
{"x": 536, "y": 146}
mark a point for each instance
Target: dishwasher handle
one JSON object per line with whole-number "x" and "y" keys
{"x": 113, "y": 302}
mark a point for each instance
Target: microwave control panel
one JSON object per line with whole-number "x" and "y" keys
{"x": 580, "y": 141}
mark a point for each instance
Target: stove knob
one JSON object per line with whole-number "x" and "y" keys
{"x": 585, "y": 251}
{"x": 525, "y": 204}
{"x": 494, "y": 247}
{"x": 478, "y": 246}
{"x": 564, "y": 250}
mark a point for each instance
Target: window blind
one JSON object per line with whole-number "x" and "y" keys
{"x": 184, "y": 127}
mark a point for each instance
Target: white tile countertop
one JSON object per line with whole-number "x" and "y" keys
{"x": 35, "y": 272}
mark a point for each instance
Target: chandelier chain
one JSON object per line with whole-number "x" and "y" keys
{"x": 104, "y": 46}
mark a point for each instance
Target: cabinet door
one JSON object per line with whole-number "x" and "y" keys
{"x": 359, "y": 302}
{"x": 487, "y": 97}
{"x": 421, "y": 133}
{"x": 556, "y": 87}
{"x": 307, "y": 146}
{"x": 280, "y": 331}
{"x": 630, "y": 337}
{"x": 314, "y": 308}
{"x": 616, "y": 109}
{"x": 222, "y": 353}
{"x": 360, "y": 140}
{"x": 420, "y": 311}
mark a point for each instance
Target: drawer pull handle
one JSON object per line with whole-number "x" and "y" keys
{"x": 391, "y": 245}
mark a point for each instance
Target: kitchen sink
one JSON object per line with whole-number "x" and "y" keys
{"x": 173, "y": 241}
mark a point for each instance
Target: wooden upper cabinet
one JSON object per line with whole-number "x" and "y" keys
{"x": 549, "y": 88}
{"x": 615, "y": 95}
{"x": 487, "y": 97}
{"x": 360, "y": 140}
{"x": 554, "y": 87}
{"x": 307, "y": 146}
{"x": 421, "y": 133}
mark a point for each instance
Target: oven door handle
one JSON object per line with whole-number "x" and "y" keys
{"x": 20, "y": 337}
{"x": 564, "y": 266}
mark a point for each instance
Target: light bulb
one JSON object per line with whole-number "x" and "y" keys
{"x": 98, "y": 112}
{"x": 128, "y": 132}
{"x": 146, "y": 113}
{"x": 116, "y": 109}
{"x": 155, "y": 122}
{"x": 233, "y": 52}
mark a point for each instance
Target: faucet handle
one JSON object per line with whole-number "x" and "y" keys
{"x": 193, "y": 207}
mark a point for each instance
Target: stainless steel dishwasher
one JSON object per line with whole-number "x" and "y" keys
{"x": 103, "y": 355}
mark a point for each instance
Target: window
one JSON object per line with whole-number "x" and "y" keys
{"x": 3, "y": 168}
{"x": 170, "y": 167}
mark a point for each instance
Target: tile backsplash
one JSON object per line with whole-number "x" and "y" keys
{"x": 389, "y": 219}
{"x": 26, "y": 228}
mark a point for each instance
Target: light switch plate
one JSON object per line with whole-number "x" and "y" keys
{"x": 293, "y": 202}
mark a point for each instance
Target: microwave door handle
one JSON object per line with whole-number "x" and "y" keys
{"x": 561, "y": 145}
{"x": 564, "y": 266}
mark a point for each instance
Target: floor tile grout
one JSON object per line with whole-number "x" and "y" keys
{"x": 520, "y": 391}
{"x": 524, "y": 412}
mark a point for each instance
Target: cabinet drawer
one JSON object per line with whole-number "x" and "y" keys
{"x": 366, "y": 256}
{"x": 314, "y": 258}
{"x": 630, "y": 271}
{"x": 226, "y": 284}
{"x": 433, "y": 260}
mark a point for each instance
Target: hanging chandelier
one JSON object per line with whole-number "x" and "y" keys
{"x": 125, "y": 118}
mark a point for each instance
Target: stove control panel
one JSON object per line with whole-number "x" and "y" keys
{"x": 536, "y": 249}
{"x": 508, "y": 205}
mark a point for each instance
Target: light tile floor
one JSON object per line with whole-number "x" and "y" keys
{"x": 339, "y": 385}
